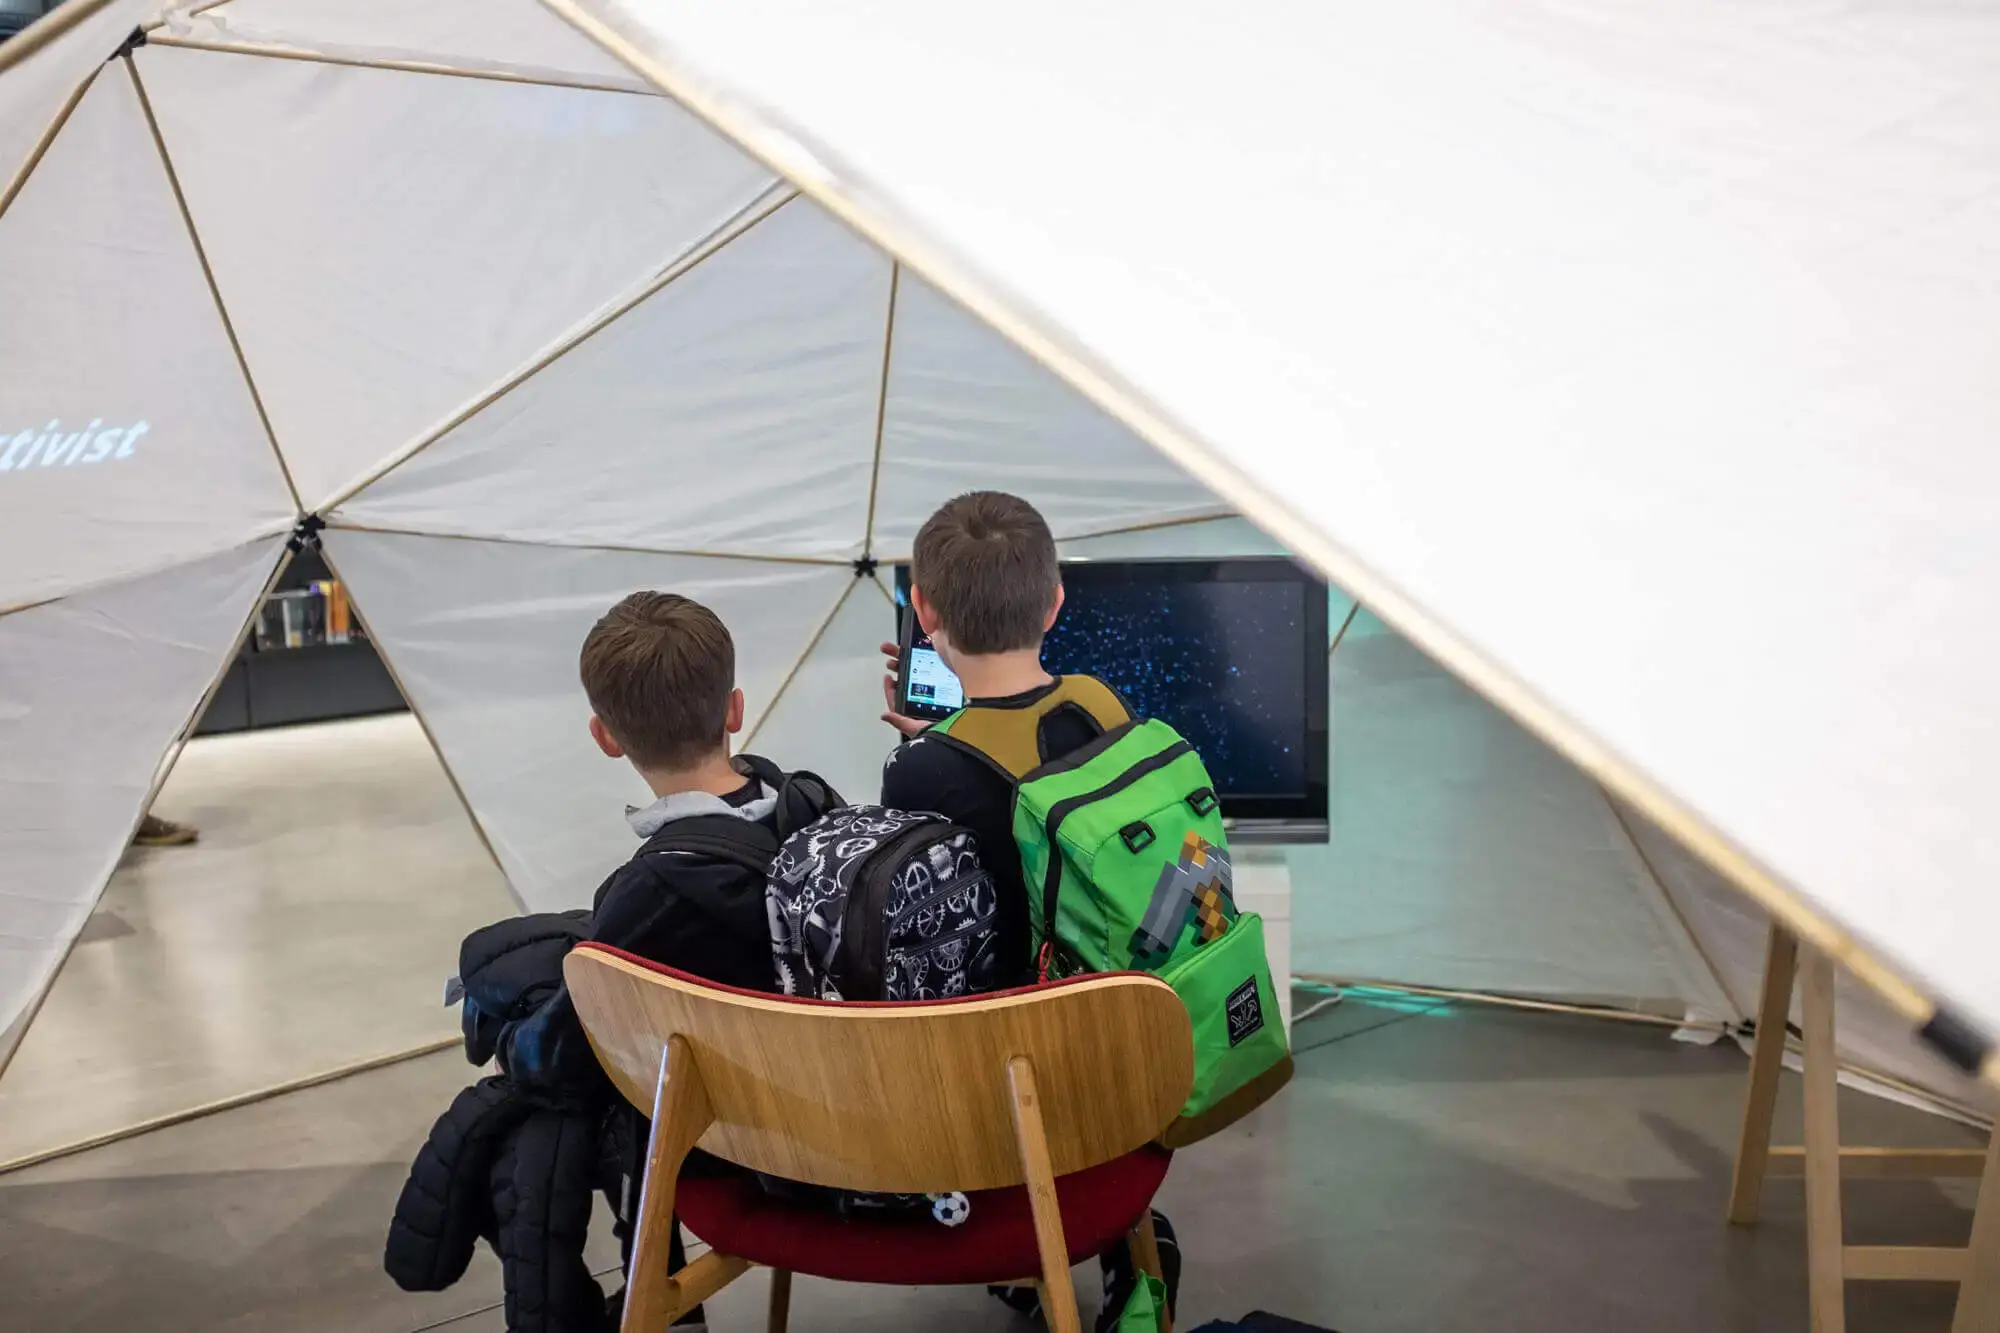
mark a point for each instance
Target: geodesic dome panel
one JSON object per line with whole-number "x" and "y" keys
{"x": 524, "y": 332}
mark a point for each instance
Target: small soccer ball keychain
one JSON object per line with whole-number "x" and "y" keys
{"x": 951, "y": 1209}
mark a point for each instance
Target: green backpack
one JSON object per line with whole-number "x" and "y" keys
{"x": 1123, "y": 848}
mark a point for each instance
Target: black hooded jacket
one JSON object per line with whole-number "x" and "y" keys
{"x": 516, "y": 1158}
{"x": 511, "y": 1162}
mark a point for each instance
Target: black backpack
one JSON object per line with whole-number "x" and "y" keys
{"x": 868, "y": 903}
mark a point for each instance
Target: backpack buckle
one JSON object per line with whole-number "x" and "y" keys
{"x": 1137, "y": 836}
{"x": 1203, "y": 800}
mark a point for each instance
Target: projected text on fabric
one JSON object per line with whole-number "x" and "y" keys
{"x": 54, "y": 445}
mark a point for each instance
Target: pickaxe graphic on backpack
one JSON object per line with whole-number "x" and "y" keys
{"x": 1199, "y": 882}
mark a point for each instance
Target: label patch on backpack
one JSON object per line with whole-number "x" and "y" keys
{"x": 1246, "y": 1013}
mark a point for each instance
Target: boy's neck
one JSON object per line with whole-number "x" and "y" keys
{"x": 716, "y": 775}
{"x": 998, "y": 675}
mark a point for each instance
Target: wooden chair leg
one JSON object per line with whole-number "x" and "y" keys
{"x": 1824, "y": 1240}
{"x": 1767, "y": 1061}
{"x": 1979, "y": 1291}
{"x": 681, "y": 1114}
{"x": 1058, "y": 1292}
{"x": 781, "y": 1299}
{"x": 699, "y": 1281}
{"x": 1146, "y": 1254}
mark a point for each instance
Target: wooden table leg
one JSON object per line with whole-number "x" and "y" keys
{"x": 1979, "y": 1293}
{"x": 1767, "y": 1061}
{"x": 1824, "y": 1239}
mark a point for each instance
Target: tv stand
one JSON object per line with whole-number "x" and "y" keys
{"x": 1263, "y": 884}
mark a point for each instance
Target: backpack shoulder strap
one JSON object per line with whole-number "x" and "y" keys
{"x": 761, "y": 769}
{"x": 744, "y": 841}
{"x": 803, "y": 798}
{"x": 1011, "y": 738}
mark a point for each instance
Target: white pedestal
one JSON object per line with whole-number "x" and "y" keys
{"x": 1263, "y": 884}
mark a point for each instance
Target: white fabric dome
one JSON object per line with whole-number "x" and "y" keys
{"x": 526, "y": 334}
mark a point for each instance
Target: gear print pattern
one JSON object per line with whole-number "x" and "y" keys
{"x": 940, "y": 906}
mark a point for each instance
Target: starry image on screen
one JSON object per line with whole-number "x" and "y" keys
{"x": 1230, "y": 653}
{"x": 1223, "y": 651}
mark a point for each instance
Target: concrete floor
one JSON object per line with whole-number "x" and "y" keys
{"x": 312, "y": 926}
{"x": 1433, "y": 1168}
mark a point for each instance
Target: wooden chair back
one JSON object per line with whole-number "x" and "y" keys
{"x": 907, "y": 1098}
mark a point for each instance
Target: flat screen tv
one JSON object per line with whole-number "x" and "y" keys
{"x": 1231, "y": 653}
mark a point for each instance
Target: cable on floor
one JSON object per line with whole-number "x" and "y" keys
{"x": 1329, "y": 997}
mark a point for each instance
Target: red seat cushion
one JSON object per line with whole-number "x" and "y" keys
{"x": 996, "y": 1244}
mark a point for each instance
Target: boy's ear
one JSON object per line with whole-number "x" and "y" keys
{"x": 732, "y": 719}
{"x": 605, "y": 740}
{"x": 926, "y": 613}
{"x": 1055, "y": 609}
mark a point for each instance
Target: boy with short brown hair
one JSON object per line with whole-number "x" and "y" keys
{"x": 986, "y": 586}
{"x": 660, "y": 673}
{"x": 985, "y": 565}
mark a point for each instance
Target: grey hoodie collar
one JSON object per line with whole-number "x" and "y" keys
{"x": 651, "y": 819}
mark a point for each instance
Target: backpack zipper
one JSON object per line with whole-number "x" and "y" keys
{"x": 938, "y": 940}
{"x": 870, "y": 954}
{"x": 956, "y": 886}
{"x": 931, "y": 947}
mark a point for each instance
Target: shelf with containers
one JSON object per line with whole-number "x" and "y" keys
{"x": 307, "y": 659}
